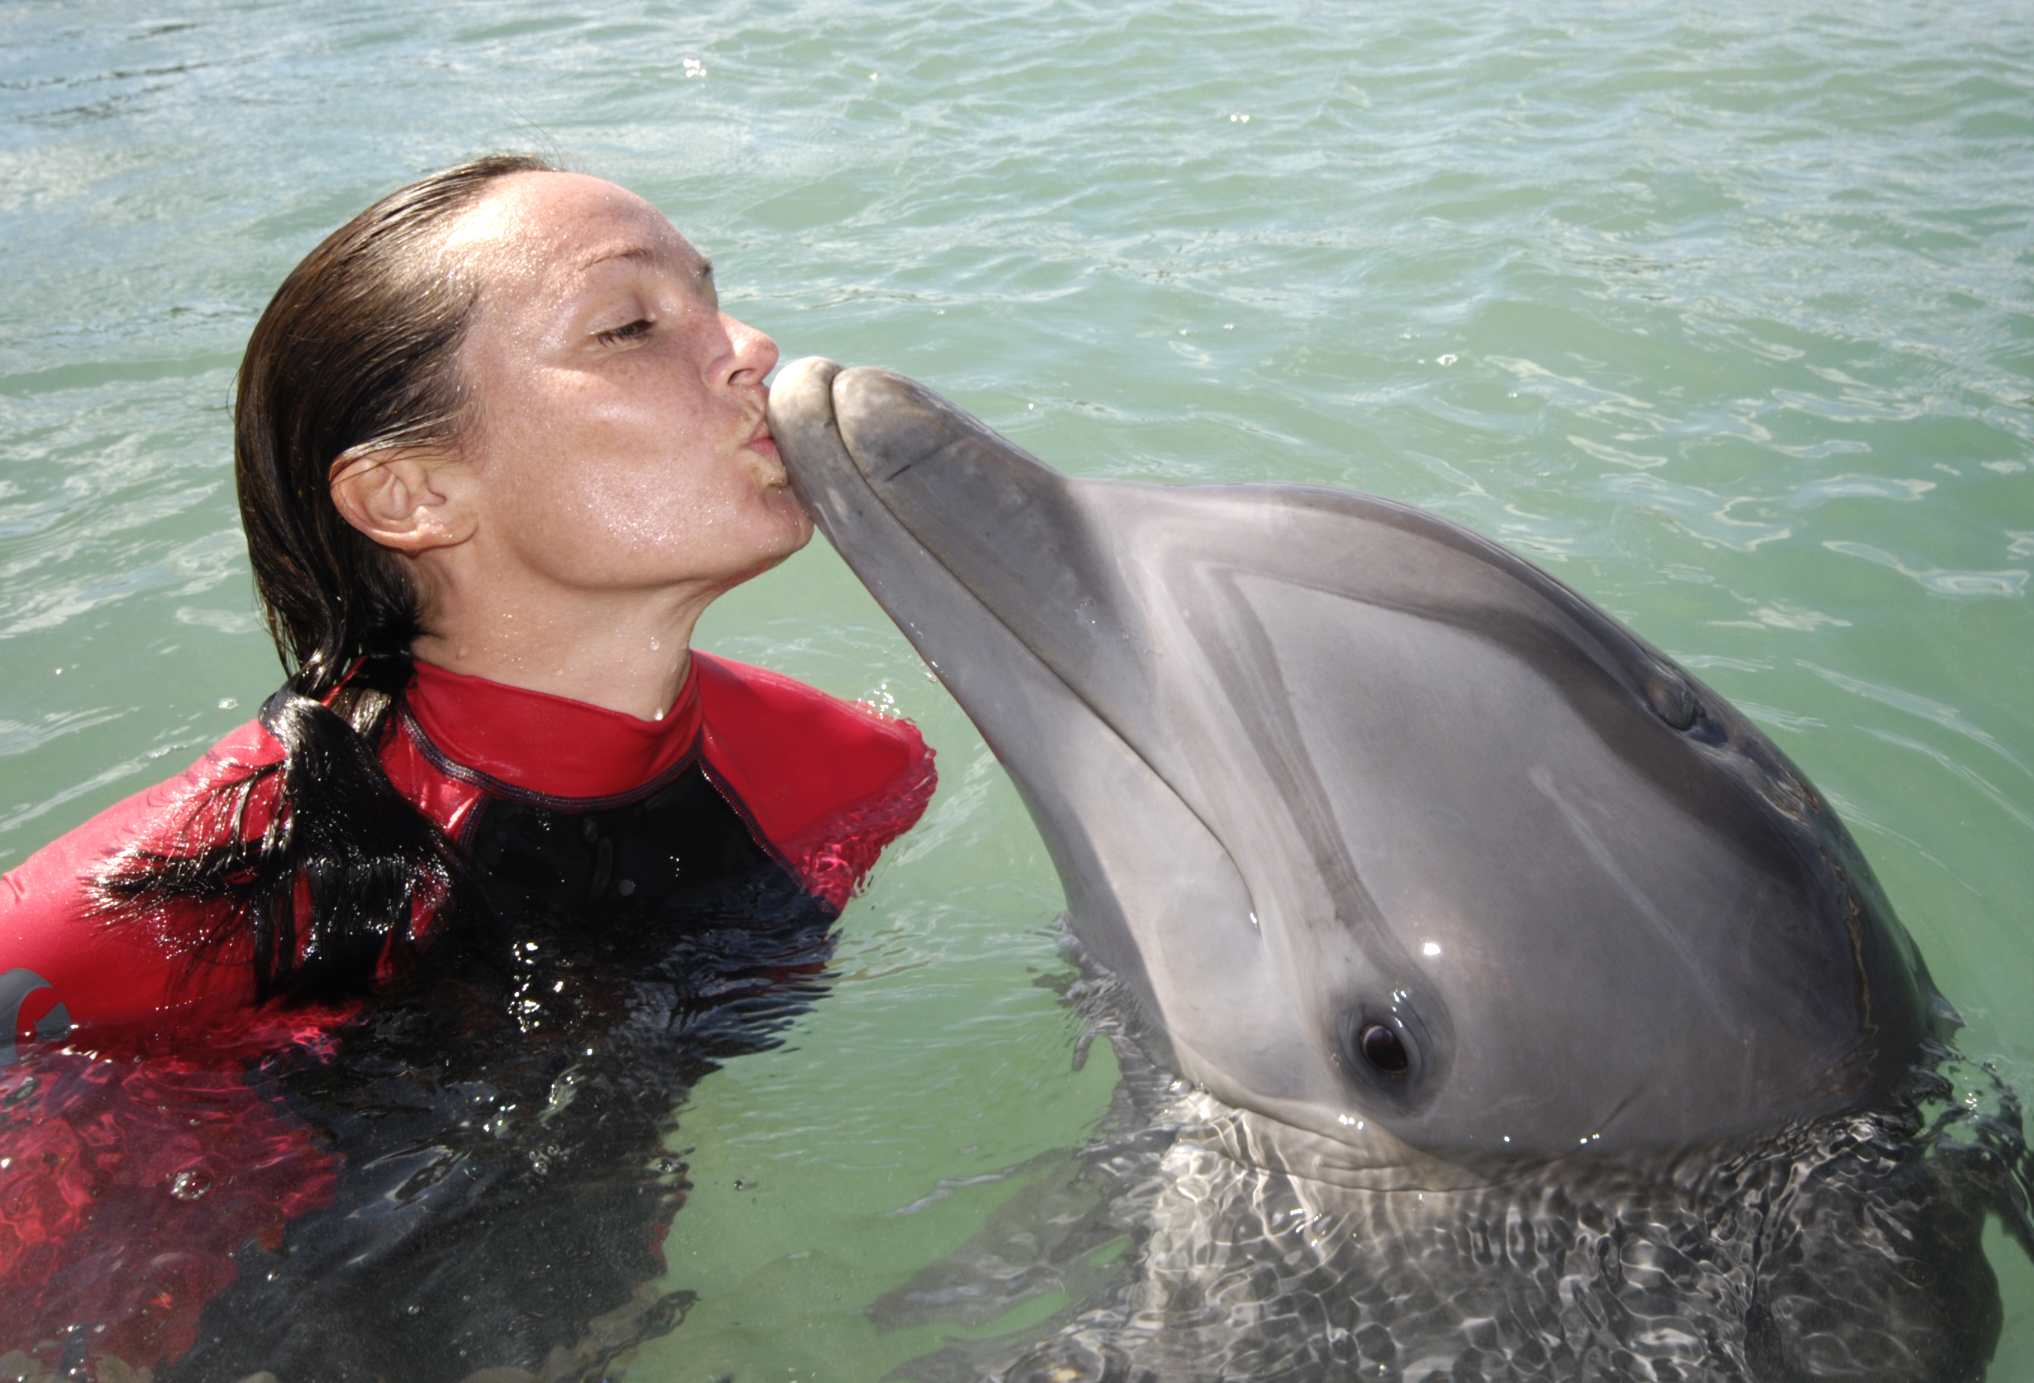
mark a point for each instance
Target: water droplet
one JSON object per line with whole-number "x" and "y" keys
{"x": 190, "y": 1184}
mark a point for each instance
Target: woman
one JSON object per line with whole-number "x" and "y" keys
{"x": 497, "y": 448}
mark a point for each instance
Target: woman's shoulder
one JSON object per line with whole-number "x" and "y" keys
{"x": 809, "y": 746}
{"x": 159, "y": 817}
{"x": 829, "y": 782}
{"x": 55, "y": 944}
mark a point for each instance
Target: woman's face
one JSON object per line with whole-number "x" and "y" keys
{"x": 616, "y": 415}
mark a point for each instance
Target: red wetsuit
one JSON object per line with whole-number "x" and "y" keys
{"x": 103, "y": 1195}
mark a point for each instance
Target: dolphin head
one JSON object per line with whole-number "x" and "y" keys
{"x": 1394, "y": 837}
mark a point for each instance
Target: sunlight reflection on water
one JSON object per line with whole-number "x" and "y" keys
{"x": 1722, "y": 314}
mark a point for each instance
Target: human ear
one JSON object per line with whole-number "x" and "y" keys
{"x": 405, "y": 498}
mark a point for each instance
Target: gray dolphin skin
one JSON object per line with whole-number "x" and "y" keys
{"x": 1536, "y": 1017}
{"x": 1381, "y": 824}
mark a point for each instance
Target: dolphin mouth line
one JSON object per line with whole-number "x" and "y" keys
{"x": 1452, "y": 801}
{"x": 867, "y": 473}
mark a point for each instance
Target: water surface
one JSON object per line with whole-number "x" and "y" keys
{"x": 1722, "y": 312}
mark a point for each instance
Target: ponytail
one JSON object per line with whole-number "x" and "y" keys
{"x": 333, "y": 894}
{"x": 354, "y": 354}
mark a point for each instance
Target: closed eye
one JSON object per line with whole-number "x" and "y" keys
{"x": 627, "y": 332}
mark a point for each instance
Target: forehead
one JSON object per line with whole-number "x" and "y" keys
{"x": 537, "y": 234}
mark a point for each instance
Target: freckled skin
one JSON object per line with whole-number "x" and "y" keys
{"x": 620, "y": 427}
{"x": 614, "y": 463}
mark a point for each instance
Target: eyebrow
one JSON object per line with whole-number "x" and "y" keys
{"x": 641, "y": 254}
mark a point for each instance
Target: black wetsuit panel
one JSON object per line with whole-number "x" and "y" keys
{"x": 504, "y": 1112}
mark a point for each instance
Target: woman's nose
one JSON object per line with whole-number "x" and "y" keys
{"x": 755, "y": 354}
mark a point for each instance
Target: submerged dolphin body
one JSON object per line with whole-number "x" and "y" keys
{"x": 1523, "y": 981}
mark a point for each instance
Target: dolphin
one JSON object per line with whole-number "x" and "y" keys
{"x": 1393, "y": 838}
{"x": 1536, "y": 1017}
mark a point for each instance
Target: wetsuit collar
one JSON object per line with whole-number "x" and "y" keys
{"x": 548, "y": 744}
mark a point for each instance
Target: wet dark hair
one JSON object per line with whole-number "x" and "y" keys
{"x": 354, "y": 354}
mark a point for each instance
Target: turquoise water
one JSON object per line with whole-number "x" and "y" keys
{"x": 1723, "y": 312}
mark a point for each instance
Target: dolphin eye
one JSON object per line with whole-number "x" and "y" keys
{"x": 1383, "y": 1049}
{"x": 1395, "y": 1053}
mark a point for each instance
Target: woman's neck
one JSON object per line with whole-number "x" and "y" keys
{"x": 628, "y": 655}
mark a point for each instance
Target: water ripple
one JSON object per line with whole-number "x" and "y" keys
{"x": 1721, "y": 312}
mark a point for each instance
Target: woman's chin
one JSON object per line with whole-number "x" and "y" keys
{"x": 785, "y": 505}
{"x": 799, "y": 537}
{"x": 792, "y": 531}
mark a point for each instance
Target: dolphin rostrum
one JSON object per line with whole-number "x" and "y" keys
{"x": 1394, "y": 838}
